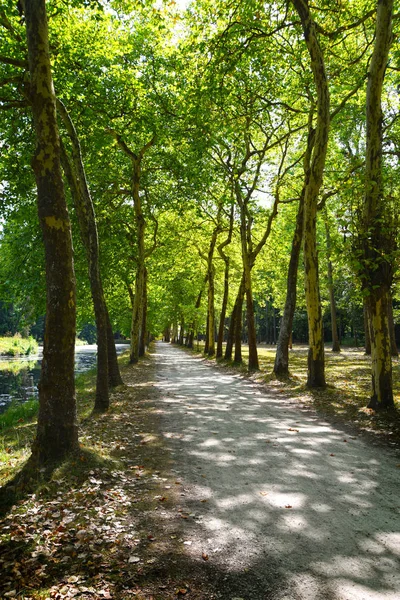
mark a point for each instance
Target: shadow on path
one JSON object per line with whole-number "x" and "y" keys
{"x": 277, "y": 497}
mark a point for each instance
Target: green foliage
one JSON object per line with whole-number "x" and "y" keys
{"x": 18, "y": 413}
{"x": 16, "y": 346}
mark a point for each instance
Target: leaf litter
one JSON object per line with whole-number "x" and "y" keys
{"x": 85, "y": 534}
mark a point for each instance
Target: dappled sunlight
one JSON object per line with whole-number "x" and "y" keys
{"x": 278, "y": 485}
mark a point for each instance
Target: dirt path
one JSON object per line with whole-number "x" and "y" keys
{"x": 280, "y": 504}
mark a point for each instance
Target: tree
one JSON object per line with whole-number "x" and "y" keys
{"x": 376, "y": 240}
{"x": 316, "y": 361}
{"x": 57, "y": 432}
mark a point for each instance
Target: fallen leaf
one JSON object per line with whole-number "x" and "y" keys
{"x": 264, "y": 493}
{"x": 288, "y": 506}
{"x": 204, "y": 556}
{"x": 296, "y": 430}
{"x": 331, "y": 455}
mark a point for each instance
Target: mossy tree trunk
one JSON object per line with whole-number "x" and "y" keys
{"x": 75, "y": 174}
{"x": 366, "y": 328}
{"x": 316, "y": 358}
{"x": 143, "y": 331}
{"x": 57, "y": 432}
{"x": 138, "y": 316}
{"x": 393, "y": 344}
{"x": 335, "y": 336}
{"x": 281, "y": 364}
{"x": 211, "y": 289}
{"x": 377, "y": 239}
{"x": 232, "y": 323}
{"x": 226, "y": 259}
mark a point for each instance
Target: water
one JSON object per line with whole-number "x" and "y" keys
{"x": 19, "y": 376}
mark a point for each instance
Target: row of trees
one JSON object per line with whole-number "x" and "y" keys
{"x": 196, "y": 154}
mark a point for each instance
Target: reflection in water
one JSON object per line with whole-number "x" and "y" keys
{"x": 19, "y": 376}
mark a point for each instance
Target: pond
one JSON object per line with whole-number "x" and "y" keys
{"x": 19, "y": 376}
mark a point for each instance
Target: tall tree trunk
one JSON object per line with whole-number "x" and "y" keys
{"x": 251, "y": 326}
{"x": 193, "y": 324}
{"x": 114, "y": 375}
{"x": 137, "y": 313}
{"x": 140, "y": 222}
{"x": 281, "y": 365}
{"x": 366, "y": 328}
{"x": 226, "y": 260}
{"x": 393, "y": 344}
{"x": 232, "y": 324}
{"x": 211, "y": 289}
{"x": 182, "y": 330}
{"x": 207, "y": 333}
{"x": 143, "y": 331}
{"x": 377, "y": 243}
{"x": 335, "y": 336}
{"x": 57, "y": 432}
{"x": 76, "y": 177}
{"x": 211, "y": 313}
{"x": 316, "y": 359}
{"x": 239, "y": 322}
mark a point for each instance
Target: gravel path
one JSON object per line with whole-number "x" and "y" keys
{"x": 282, "y": 504}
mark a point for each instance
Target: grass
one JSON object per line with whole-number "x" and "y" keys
{"x": 348, "y": 377}
{"x": 17, "y": 346}
{"x": 18, "y": 425}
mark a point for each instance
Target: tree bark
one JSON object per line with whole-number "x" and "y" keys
{"x": 366, "y": 328}
{"x": 316, "y": 358}
{"x": 57, "y": 432}
{"x": 75, "y": 174}
{"x": 194, "y": 322}
{"x": 232, "y": 324}
{"x": 114, "y": 374}
{"x": 143, "y": 331}
{"x": 239, "y": 322}
{"x": 281, "y": 365}
{"x": 335, "y": 336}
{"x": 225, "y": 297}
{"x": 140, "y": 222}
{"x": 377, "y": 241}
{"x": 393, "y": 344}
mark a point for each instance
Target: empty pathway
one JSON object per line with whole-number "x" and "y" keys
{"x": 281, "y": 503}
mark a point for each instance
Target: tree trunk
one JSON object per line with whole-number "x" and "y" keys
{"x": 232, "y": 324}
{"x": 114, "y": 375}
{"x": 138, "y": 306}
{"x": 393, "y": 344}
{"x": 76, "y": 177}
{"x": 57, "y": 432}
{"x": 281, "y": 365}
{"x": 239, "y": 323}
{"x": 143, "y": 331}
{"x": 211, "y": 312}
{"x": 366, "y": 328}
{"x": 226, "y": 260}
{"x": 382, "y": 386}
{"x": 137, "y": 313}
{"x": 316, "y": 359}
{"x": 193, "y": 324}
{"x": 140, "y": 222}
{"x": 377, "y": 238}
{"x": 335, "y": 337}
{"x": 181, "y": 331}
{"x": 207, "y": 333}
{"x": 251, "y": 326}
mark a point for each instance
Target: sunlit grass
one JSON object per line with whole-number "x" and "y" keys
{"x": 16, "y": 346}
